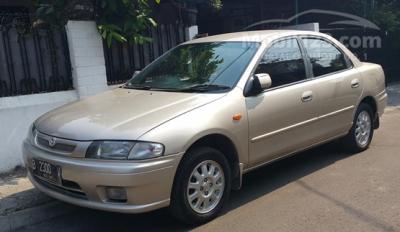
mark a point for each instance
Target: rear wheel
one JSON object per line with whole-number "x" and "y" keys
{"x": 361, "y": 133}
{"x": 202, "y": 186}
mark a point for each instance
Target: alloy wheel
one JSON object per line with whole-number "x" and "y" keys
{"x": 206, "y": 186}
{"x": 363, "y": 128}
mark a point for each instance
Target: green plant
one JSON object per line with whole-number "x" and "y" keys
{"x": 124, "y": 20}
{"x": 387, "y": 16}
{"x": 119, "y": 20}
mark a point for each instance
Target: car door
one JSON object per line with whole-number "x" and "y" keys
{"x": 339, "y": 85}
{"x": 281, "y": 119}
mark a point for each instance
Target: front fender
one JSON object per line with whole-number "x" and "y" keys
{"x": 180, "y": 133}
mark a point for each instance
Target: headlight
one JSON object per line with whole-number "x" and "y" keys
{"x": 143, "y": 150}
{"x": 124, "y": 150}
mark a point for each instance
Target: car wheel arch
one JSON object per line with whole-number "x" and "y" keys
{"x": 371, "y": 101}
{"x": 226, "y": 146}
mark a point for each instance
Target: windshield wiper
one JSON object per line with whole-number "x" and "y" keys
{"x": 142, "y": 87}
{"x": 194, "y": 88}
{"x": 205, "y": 88}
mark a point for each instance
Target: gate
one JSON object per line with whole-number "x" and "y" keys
{"x": 122, "y": 59}
{"x": 32, "y": 60}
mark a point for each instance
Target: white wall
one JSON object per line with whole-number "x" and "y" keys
{"x": 191, "y": 32}
{"x": 88, "y": 76}
{"x": 16, "y": 116}
{"x": 87, "y": 58}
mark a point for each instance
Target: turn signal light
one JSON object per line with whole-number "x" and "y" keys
{"x": 237, "y": 117}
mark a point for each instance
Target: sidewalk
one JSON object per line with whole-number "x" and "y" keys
{"x": 17, "y": 193}
{"x": 22, "y": 205}
{"x": 393, "y": 91}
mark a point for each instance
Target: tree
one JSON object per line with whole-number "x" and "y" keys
{"x": 119, "y": 20}
{"x": 387, "y": 15}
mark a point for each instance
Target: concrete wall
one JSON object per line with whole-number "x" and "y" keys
{"x": 16, "y": 116}
{"x": 87, "y": 58}
{"x": 89, "y": 78}
{"x": 88, "y": 75}
{"x": 191, "y": 32}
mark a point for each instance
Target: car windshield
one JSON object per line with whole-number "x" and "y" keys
{"x": 198, "y": 67}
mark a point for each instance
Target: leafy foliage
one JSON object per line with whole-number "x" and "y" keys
{"x": 124, "y": 20}
{"x": 119, "y": 20}
{"x": 387, "y": 15}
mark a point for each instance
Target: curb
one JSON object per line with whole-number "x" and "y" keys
{"x": 31, "y": 216}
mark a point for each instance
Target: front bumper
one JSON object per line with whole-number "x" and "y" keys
{"x": 148, "y": 184}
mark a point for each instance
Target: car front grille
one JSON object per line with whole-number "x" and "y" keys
{"x": 55, "y": 144}
{"x": 58, "y": 146}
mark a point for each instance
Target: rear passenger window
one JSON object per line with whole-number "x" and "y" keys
{"x": 325, "y": 58}
{"x": 283, "y": 61}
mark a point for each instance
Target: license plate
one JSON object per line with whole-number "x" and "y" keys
{"x": 46, "y": 171}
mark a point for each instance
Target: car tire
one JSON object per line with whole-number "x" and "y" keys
{"x": 212, "y": 186}
{"x": 360, "y": 136}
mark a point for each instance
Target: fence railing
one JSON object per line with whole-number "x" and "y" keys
{"x": 123, "y": 59}
{"x": 32, "y": 60}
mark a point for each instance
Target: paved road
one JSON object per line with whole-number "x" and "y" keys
{"x": 323, "y": 189}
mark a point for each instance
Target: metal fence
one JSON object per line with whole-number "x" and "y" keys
{"x": 32, "y": 60}
{"x": 123, "y": 59}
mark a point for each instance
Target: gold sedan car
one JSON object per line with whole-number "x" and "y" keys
{"x": 182, "y": 132}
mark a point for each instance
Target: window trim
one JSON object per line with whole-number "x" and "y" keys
{"x": 309, "y": 72}
{"x": 308, "y": 76}
{"x": 349, "y": 63}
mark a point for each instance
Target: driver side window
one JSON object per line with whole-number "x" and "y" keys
{"x": 284, "y": 62}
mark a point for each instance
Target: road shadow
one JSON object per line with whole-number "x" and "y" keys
{"x": 256, "y": 184}
{"x": 276, "y": 175}
{"x": 22, "y": 200}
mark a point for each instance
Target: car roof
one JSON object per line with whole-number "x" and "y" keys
{"x": 269, "y": 36}
{"x": 252, "y": 36}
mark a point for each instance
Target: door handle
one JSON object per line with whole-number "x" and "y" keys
{"x": 307, "y": 96}
{"x": 355, "y": 83}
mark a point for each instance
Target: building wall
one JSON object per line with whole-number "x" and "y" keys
{"x": 16, "y": 116}
{"x": 89, "y": 77}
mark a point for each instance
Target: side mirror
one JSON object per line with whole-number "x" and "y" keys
{"x": 264, "y": 79}
{"x": 257, "y": 84}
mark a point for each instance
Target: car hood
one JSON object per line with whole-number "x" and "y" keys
{"x": 119, "y": 114}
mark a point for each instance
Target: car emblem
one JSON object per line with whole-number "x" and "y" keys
{"x": 52, "y": 142}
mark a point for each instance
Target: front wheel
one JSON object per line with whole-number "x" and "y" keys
{"x": 361, "y": 133}
{"x": 202, "y": 186}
